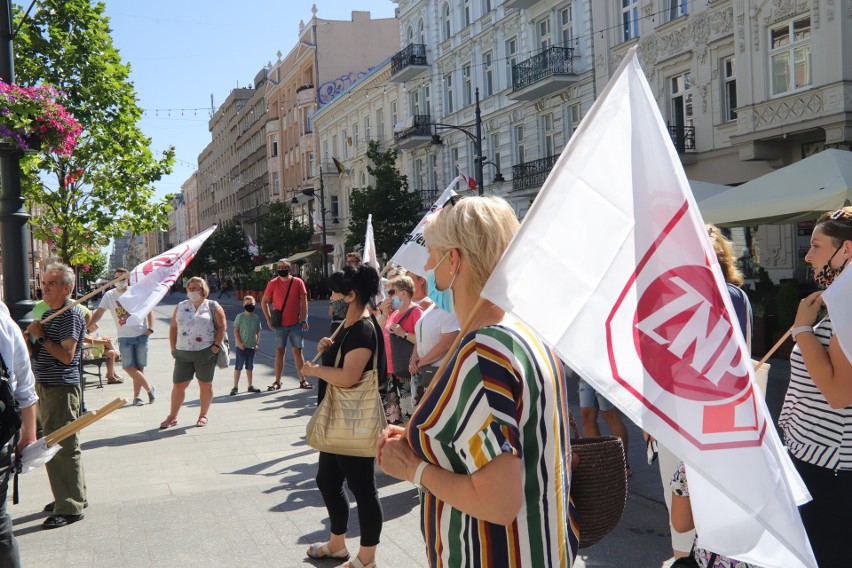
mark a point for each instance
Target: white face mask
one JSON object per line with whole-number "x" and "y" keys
{"x": 121, "y": 285}
{"x": 194, "y": 296}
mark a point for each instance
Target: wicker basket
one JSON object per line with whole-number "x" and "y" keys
{"x": 598, "y": 486}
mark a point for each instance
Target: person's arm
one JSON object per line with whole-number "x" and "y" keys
{"x": 221, "y": 327}
{"x": 682, "y": 514}
{"x": 150, "y": 330}
{"x": 28, "y": 426}
{"x": 303, "y": 317}
{"x": 173, "y": 332}
{"x": 829, "y": 369}
{"x": 353, "y": 367}
{"x": 445, "y": 341}
{"x": 264, "y": 307}
{"x": 237, "y": 339}
{"x": 96, "y": 317}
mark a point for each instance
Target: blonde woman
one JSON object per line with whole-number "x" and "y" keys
{"x": 196, "y": 334}
{"x": 494, "y": 423}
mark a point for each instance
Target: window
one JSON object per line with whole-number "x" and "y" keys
{"x": 520, "y": 153}
{"x": 790, "y": 55}
{"x": 355, "y": 135}
{"x": 681, "y": 110}
{"x": 729, "y": 75}
{"x": 446, "y": 24}
{"x": 427, "y": 100}
{"x": 414, "y": 101}
{"x": 511, "y": 58}
{"x": 347, "y": 141}
{"x": 486, "y": 6}
{"x": 467, "y": 86}
{"x": 274, "y": 149}
{"x": 448, "y": 91}
{"x": 421, "y": 31}
{"x": 576, "y": 111}
{"x": 309, "y": 119}
{"x": 433, "y": 171}
{"x": 418, "y": 175}
{"x": 677, "y": 8}
{"x": 495, "y": 149}
{"x": 325, "y": 149}
{"x": 410, "y": 35}
{"x": 465, "y": 13}
{"x": 334, "y": 152}
{"x": 380, "y": 124}
{"x": 566, "y": 22}
{"x": 454, "y": 162}
{"x": 549, "y": 135}
{"x": 488, "y": 71}
{"x": 367, "y": 133}
{"x": 629, "y": 19}
{"x": 543, "y": 28}
{"x": 311, "y": 170}
{"x": 276, "y": 183}
{"x": 335, "y": 208}
{"x": 394, "y": 115}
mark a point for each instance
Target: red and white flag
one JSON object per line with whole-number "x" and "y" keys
{"x": 647, "y": 321}
{"x": 370, "y": 256}
{"x": 152, "y": 279}
{"x": 316, "y": 222}
{"x": 413, "y": 253}
{"x": 465, "y": 180}
{"x": 252, "y": 248}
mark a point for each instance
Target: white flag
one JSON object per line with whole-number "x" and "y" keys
{"x": 252, "y": 248}
{"x": 646, "y": 320}
{"x": 316, "y": 222}
{"x": 370, "y": 246}
{"x": 413, "y": 253}
{"x": 153, "y": 278}
{"x": 839, "y": 295}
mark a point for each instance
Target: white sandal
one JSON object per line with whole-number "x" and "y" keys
{"x": 355, "y": 563}
{"x": 320, "y": 551}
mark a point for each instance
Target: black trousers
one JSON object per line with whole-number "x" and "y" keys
{"x": 9, "y": 556}
{"x": 360, "y": 476}
{"x": 828, "y": 518}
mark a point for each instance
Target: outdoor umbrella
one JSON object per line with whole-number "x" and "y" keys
{"x": 800, "y": 191}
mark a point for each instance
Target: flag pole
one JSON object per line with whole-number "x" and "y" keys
{"x": 84, "y": 298}
{"x": 73, "y": 427}
{"x": 774, "y": 349}
{"x": 333, "y": 335}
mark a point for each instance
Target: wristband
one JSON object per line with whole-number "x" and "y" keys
{"x": 418, "y": 475}
{"x": 801, "y": 329}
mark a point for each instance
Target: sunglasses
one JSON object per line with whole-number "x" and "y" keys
{"x": 391, "y": 292}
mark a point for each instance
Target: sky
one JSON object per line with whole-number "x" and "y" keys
{"x": 183, "y": 51}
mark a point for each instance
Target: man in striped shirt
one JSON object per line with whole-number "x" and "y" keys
{"x": 57, "y": 371}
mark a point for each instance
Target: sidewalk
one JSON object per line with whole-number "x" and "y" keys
{"x": 241, "y": 491}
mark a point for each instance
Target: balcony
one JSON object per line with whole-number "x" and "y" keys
{"x": 545, "y": 73}
{"x": 683, "y": 138}
{"x": 428, "y": 197}
{"x": 519, "y": 4}
{"x": 413, "y": 133}
{"x": 532, "y": 174}
{"x": 409, "y": 63}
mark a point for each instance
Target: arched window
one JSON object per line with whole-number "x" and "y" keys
{"x": 421, "y": 32}
{"x": 409, "y": 37}
{"x": 445, "y": 20}
{"x": 363, "y": 179}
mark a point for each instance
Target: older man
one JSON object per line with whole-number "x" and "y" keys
{"x": 16, "y": 362}
{"x": 287, "y": 294}
{"x": 57, "y": 371}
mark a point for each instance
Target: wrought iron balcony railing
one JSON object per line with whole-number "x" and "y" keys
{"x": 420, "y": 126}
{"x": 683, "y": 138}
{"x": 549, "y": 62}
{"x": 532, "y": 174}
{"x": 412, "y": 54}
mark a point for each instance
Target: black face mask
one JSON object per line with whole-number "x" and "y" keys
{"x": 249, "y": 307}
{"x": 283, "y": 273}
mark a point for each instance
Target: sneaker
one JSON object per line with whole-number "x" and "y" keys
{"x": 253, "y": 389}
{"x": 151, "y": 397}
{"x": 138, "y": 402}
{"x": 234, "y": 391}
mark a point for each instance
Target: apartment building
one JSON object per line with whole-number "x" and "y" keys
{"x": 189, "y": 189}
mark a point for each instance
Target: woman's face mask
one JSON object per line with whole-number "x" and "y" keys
{"x": 443, "y": 298}
{"x": 194, "y": 296}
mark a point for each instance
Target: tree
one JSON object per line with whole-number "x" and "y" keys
{"x": 105, "y": 188}
{"x": 230, "y": 248}
{"x": 281, "y": 234}
{"x": 395, "y": 210}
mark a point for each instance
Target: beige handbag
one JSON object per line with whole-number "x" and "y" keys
{"x": 348, "y": 421}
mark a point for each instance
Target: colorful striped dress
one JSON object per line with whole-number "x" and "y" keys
{"x": 503, "y": 392}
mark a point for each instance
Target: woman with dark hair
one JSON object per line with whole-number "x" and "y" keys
{"x": 816, "y": 418}
{"x": 358, "y": 348}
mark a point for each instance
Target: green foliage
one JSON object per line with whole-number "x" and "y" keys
{"x": 105, "y": 188}
{"x": 281, "y": 234}
{"x": 226, "y": 250}
{"x": 395, "y": 210}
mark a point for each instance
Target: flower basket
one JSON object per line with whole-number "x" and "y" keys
{"x": 31, "y": 119}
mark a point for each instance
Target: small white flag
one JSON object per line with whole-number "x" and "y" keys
{"x": 370, "y": 245}
{"x": 153, "y": 278}
{"x": 839, "y": 295}
{"x": 316, "y": 222}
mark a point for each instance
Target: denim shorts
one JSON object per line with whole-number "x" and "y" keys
{"x": 294, "y": 332}
{"x": 244, "y": 357}
{"x": 134, "y": 351}
{"x": 590, "y": 398}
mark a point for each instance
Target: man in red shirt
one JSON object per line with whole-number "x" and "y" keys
{"x": 288, "y": 295}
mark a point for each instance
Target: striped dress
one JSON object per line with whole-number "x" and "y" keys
{"x": 813, "y": 431}
{"x": 503, "y": 392}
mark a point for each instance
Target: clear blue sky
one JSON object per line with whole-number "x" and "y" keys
{"x": 182, "y": 51}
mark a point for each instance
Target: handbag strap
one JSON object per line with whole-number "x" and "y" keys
{"x": 287, "y": 295}
{"x": 375, "y": 352}
{"x": 405, "y": 315}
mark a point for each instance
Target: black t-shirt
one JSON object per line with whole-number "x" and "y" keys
{"x": 360, "y": 335}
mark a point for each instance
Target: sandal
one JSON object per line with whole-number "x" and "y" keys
{"x": 168, "y": 422}
{"x": 303, "y": 384}
{"x": 274, "y": 386}
{"x": 202, "y": 421}
{"x": 319, "y": 551}
{"x": 355, "y": 563}
{"x": 116, "y": 380}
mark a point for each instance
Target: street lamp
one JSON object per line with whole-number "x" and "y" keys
{"x": 478, "y": 160}
{"x": 310, "y": 192}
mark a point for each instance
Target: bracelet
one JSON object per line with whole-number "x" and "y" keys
{"x": 418, "y": 475}
{"x": 801, "y": 329}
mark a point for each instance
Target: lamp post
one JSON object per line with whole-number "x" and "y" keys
{"x": 478, "y": 159}
{"x": 310, "y": 192}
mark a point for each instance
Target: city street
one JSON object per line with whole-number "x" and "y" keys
{"x": 241, "y": 491}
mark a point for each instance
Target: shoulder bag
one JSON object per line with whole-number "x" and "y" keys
{"x": 276, "y": 315}
{"x": 401, "y": 350}
{"x": 348, "y": 421}
{"x": 223, "y": 357}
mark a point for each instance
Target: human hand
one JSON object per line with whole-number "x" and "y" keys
{"x": 391, "y": 431}
{"x": 35, "y": 329}
{"x": 324, "y": 344}
{"x": 397, "y": 458}
{"x": 414, "y": 364}
{"x": 217, "y": 348}
{"x": 309, "y": 369}
{"x": 398, "y": 331}
{"x": 808, "y": 309}
{"x": 305, "y": 325}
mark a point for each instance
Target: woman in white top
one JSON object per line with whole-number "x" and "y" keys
{"x": 196, "y": 334}
{"x": 817, "y": 414}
